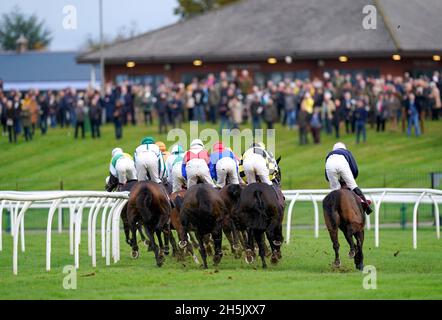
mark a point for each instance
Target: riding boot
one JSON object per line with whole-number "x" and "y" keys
{"x": 365, "y": 203}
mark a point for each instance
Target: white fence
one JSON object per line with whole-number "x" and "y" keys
{"x": 111, "y": 204}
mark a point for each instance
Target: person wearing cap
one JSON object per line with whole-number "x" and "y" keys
{"x": 173, "y": 164}
{"x": 196, "y": 164}
{"x": 149, "y": 161}
{"x": 122, "y": 169}
{"x": 258, "y": 162}
{"x": 223, "y": 165}
{"x": 340, "y": 165}
{"x": 163, "y": 150}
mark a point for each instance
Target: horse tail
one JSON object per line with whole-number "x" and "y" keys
{"x": 259, "y": 221}
{"x": 330, "y": 207}
{"x": 234, "y": 191}
{"x": 204, "y": 203}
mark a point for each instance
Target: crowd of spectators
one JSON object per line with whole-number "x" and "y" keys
{"x": 334, "y": 104}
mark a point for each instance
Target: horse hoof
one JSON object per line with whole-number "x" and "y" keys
{"x": 135, "y": 254}
{"x": 216, "y": 259}
{"x": 277, "y": 243}
{"x": 274, "y": 259}
{"x": 337, "y": 264}
{"x": 195, "y": 259}
{"x": 264, "y": 266}
{"x": 351, "y": 254}
{"x": 182, "y": 244}
{"x": 360, "y": 267}
{"x": 249, "y": 257}
{"x": 146, "y": 243}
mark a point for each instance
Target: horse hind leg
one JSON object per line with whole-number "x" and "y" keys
{"x": 150, "y": 236}
{"x": 217, "y": 236}
{"x": 348, "y": 233}
{"x": 203, "y": 252}
{"x": 133, "y": 241}
{"x": 260, "y": 240}
{"x": 334, "y": 238}
{"x": 359, "y": 257}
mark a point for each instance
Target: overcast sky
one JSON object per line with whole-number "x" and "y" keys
{"x": 145, "y": 14}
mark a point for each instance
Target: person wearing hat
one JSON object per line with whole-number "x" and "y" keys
{"x": 149, "y": 161}
{"x": 340, "y": 165}
{"x": 258, "y": 162}
{"x": 122, "y": 169}
{"x": 196, "y": 162}
{"x": 163, "y": 150}
{"x": 223, "y": 165}
{"x": 173, "y": 164}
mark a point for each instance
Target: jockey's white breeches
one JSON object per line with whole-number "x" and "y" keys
{"x": 176, "y": 177}
{"x": 337, "y": 168}
{"x": 125, "y": 168}
{"x": 226, "y": 169}
{"x": 147, "y": 163}
{"x": 255, "y": 165}
{"x": 198, "y": 169}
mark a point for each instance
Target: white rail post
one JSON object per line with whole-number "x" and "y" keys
{"x": 72, "y": 208}
{"x": 376, "y": 220}
{"x": 22, "y": 233}
{"x": 2, "y": 205}
{"x": 416, "y": 205}
{"x": 13, "y": 215}
{"x": 103, "y": 229}
{"x": 16, "y": 235}
{"x": 315, "y": 206}
{"x": 89, "y": 226}
{"x": 90, "y": 222}
{"x": 116, "y": 230}
{"x": 77, "y": 234}
{"x": 367, "y": 216}
{"x": 436, "y": 216}
{"x": 289, "y": 217}
{"x": 52, "y": 209}
{"x": 60, "y": 219}
{"x": 94, "y": 228}
{"x": 108, "y": 231}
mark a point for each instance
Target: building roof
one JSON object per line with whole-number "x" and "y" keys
{"x": 300, "y": 28}
{"x": 43, "y": 70}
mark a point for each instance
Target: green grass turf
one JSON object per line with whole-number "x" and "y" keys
{"x": 389, "y": 159}
{"x": 303, "y": 273}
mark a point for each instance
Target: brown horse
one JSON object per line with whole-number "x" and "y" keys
{"x": 150, "y": 205}
{"x": 204, "y": 211}
{"x": 261, "y": 208}
{"x": 343, "y": 210}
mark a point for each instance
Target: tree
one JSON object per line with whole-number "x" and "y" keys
{"x": 190, "y": 8}
{"x": 92, "y": 43}
{"x": 15, "y": 23}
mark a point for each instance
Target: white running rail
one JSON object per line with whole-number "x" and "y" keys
{"x": 110, "y": 204}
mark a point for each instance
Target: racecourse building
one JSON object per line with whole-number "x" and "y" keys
{"x": 274, "y": 39}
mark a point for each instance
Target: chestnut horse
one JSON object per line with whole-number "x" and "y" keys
{"x": 343, "y": 210}
{"x": 149, "y": 205}
{"x": 203, "y": 210}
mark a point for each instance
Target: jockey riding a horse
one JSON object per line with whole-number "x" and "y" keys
{"x": 340, "y": 165}
{"x": 258, "y": 162}
{"x": 122, "y": 170}
{"x": 223, "y": 165}
{"x": 195, "y": 165}
{"x": 149, "y": 161}
{"x": 173, "y": 165}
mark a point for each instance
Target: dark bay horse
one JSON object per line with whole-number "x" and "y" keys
{"x": 203, "y": 210}
{"x": 150, "y": 205}
{"x": 261, "y": 208}
{"x": 343, "y": 210}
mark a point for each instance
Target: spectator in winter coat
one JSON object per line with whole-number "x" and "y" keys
{"x": 361, "y": 116}
{"x": 303, "y": 124}
{"x": 80, "y": 115}
{"x": 315, "y": 125}
{"x": 95, "y": 112}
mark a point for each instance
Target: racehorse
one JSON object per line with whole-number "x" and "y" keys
{"x": 261, "y": 209}
{"x": 343, "y": 210}
{"x": 232, "y": 227}
{"x": 150, "y": 205}
{"x": 204, "y": 210}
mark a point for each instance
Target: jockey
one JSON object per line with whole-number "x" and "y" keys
{"x": 196, "y": 164}
{"x": 122, "y": 168}
{"x": 149, "y": 161}
{"x": 223, "y": 165}
{"x": 173, "y": 164}
{"x": 257, "y": 161}
{"x": 163, "y": 149}
{"x": 341, "y": 165}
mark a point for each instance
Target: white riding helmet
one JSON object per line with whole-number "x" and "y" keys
{"x": 197, "y": 142}
{"x": 339, "y": 145}
{"x": 116, "y": 151}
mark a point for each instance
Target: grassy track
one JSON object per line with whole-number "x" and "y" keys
{"x": 304, "y": 272}
{"x": 387, "y": 159}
